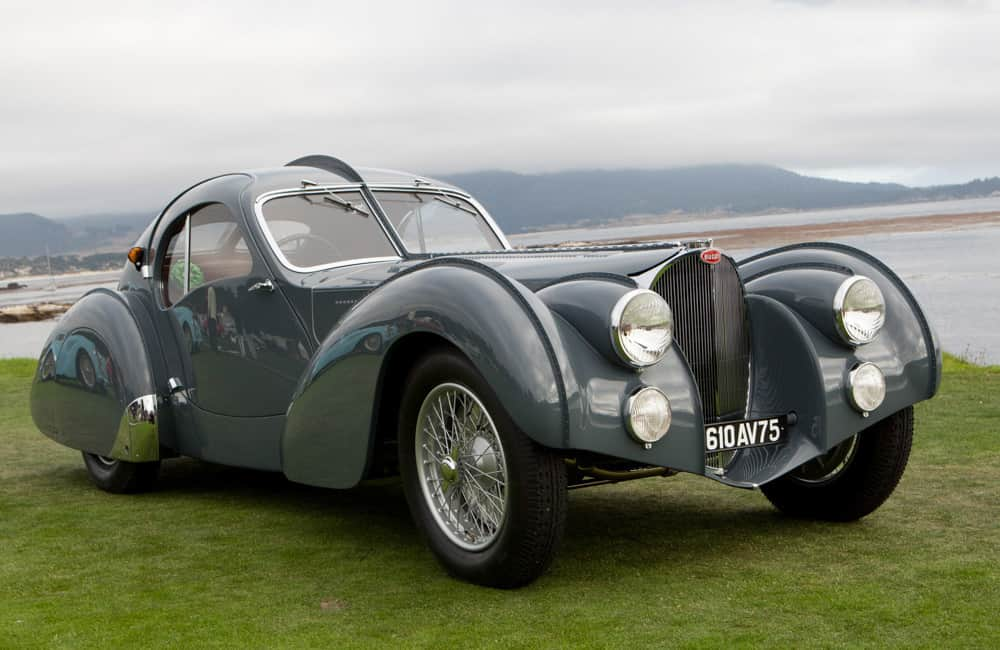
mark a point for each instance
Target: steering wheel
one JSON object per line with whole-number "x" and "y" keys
{"x": 308, "y": 236}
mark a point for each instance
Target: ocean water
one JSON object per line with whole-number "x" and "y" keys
{"x": 955, "y": 276}
{"x": 706, "y": 225}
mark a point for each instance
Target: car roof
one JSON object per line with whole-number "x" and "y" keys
{"x": 278, "y": 178}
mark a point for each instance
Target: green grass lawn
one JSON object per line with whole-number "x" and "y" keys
{"x": 226, "y": 557}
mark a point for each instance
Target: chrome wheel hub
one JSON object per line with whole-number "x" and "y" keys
{"x": 827, "y": 467}
{"x": 449, "y": 471}
{"x": 461, "y": 466}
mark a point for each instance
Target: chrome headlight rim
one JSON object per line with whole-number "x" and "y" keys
{"x": 616, "y": 334}
{"x": 629, "y": 408}
{"x": 839, "y": 315}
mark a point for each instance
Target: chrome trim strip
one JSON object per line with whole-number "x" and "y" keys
{"x": 187, "y": 255}
{"x": 138, "y": 437}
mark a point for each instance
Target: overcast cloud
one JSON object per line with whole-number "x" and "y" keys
{"x": 111, "y": 106}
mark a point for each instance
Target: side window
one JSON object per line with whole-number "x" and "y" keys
{"x": 207, "y": 246}
{"x": 172, "y": 276}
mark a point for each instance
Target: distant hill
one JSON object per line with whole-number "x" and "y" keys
{"x": 26, "y": 234}
{"x": 531, "y": 201}
{"x": 521, "y": 202}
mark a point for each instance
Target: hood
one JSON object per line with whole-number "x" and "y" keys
{"x": 331, "y": 293}
{"x": 536, "y": 268}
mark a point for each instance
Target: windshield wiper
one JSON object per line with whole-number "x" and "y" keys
{"x": 457, "y": 204}
{"x": 334, "y": 199}
{"x": 347, "y": 205}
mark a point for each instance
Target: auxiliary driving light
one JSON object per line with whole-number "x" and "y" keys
{"x": 647, "y": 415}
{"x": 866, "y": 387}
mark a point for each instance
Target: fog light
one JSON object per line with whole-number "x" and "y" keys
{"x": 647, "y": 415}
{"x": 866, "y": 387}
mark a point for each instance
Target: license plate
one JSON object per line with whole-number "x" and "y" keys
{"x": 740, "y": 434}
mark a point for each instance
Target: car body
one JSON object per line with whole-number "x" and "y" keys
{"x": 309, "y": 298}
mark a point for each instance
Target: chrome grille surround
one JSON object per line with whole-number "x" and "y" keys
{"x": 712, "y": 330}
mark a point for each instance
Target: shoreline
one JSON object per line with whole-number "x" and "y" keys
{"x": 34, "y": 312}
{"x": 735, "y": 238}
{"x": 738, "y": 238}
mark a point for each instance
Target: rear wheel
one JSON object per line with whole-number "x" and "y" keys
{"x": 490, "y": 502}
{"x": 85, "y": 370}
{"x": 851, "y": 480}
{"x": 119, "y": 476}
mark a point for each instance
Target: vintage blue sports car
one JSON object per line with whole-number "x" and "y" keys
{"x": 337, "y": 325}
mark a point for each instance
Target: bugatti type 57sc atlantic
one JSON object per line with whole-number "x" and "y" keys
{"x": 336, "y": 325}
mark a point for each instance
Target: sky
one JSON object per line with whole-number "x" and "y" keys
{"x": 109, "y": 106}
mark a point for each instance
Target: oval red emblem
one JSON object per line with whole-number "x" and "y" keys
{"x": 711, "y": 256}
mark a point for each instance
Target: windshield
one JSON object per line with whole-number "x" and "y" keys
{"x": 429, "y": 222}
{"x": 313, "y": 230}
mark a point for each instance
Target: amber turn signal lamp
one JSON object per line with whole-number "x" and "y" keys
{"x": 135, "y": 255}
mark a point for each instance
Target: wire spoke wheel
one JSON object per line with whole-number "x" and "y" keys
{"x": 461, "y": 466}
{"x": 489, "y": 501}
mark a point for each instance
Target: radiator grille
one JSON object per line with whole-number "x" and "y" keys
{"x": 711, "y": 329}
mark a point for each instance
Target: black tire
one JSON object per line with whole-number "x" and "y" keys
{"x": 119, "y": 476}
{"x": 525, "y": 542}
{"x": 860, "y": 486}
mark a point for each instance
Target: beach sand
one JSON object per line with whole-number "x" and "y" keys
{"x": 741, "y": 238}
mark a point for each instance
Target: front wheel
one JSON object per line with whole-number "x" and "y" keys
{"x": 490, "y": 502}
{"x": 119, "y": 476}
{"x": 851, "y": 480}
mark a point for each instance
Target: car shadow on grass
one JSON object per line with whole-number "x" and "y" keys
{"x": 620, "y": 529}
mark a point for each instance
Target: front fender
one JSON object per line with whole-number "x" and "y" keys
{"x": 789, "y": 297}
{"x": 490, "y": 318}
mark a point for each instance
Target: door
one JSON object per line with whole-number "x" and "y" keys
{"x": 242, "y": 348}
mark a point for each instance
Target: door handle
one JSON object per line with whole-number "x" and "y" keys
{"x": 264, "y": 286}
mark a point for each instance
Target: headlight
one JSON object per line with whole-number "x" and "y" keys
{"x": 641, "y": 327}
{"x": 648, "y": 415}
{"x": 859, "y": 309}
{"x": 866, "y": 387}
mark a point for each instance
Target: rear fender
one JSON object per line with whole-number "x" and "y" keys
{"x": 94, "y": 389}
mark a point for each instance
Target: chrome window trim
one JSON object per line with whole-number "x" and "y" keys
{"x": 187, "y": 256}
{"x": 258, "y": 209}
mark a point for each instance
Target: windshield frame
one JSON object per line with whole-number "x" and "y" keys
{"x": 441, "y": 191}
{"x": 376, "y": 212}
